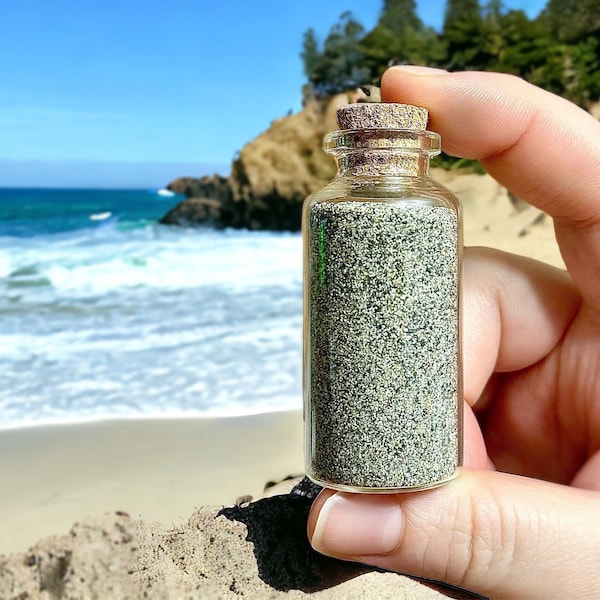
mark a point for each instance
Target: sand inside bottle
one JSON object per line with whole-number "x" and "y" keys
{"x": 383, "y": 327}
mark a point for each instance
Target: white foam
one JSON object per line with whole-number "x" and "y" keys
{"x": 155, "y": 322}
{"x": 108, "y": 262}
{"x": 101, "y": 216}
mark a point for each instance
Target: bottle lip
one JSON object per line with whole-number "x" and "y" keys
{"x": 408, "y": 140}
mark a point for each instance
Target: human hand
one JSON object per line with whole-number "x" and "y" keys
{"x": 531, "y": 351}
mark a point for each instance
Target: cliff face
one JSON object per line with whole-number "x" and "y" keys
{"x": 270, "y": 178}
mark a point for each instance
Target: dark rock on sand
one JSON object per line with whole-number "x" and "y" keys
{"x": 207, "y": 199}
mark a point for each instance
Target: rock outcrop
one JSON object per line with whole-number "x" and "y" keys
{"x": 206, "y": 203}
{"x": 269, "y": 179}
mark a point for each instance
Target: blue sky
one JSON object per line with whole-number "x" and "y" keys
{"x": 132, "y": 93}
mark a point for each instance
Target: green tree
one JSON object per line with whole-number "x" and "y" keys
{"x": 459, "y": 12}
{"x": 493, "y": 11}
{"x": 570, "y": 20}
{"x": 559, "y": 50}
{"x": 572, "y": 66}
{"x": 463, "y": 34}
{"x": 311, "y": 55}
{"x": 339, "y": 65}
{"x": 524, "y": 45}
{"x": 398, "y": 16}
{"x": 400, "y": 37}
{"x": 509, "y": 41}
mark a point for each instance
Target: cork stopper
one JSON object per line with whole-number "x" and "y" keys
{"x": 382, "y": 115}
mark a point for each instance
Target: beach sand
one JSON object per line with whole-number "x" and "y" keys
{"x": 491, "y": 218}
{"x": 167, "y": 534}
{"x": 160, "y": 470}
{"x": 157, "y": 472}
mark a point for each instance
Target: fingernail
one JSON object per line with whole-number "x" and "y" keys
{"x": 419, "y": 70}
{"x": 355, "y": 525}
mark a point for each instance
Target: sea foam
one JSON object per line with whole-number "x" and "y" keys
{"x": 148, "y": 321}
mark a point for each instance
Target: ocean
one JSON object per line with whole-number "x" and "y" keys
{"x": 104, "y": 313}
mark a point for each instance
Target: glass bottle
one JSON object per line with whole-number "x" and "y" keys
{"x": 382, "y": 269}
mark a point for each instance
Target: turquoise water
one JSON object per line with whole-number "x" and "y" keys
{"x": 104, "y": 313}
{"x": 31, "y": 212}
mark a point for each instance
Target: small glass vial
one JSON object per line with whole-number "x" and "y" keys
{"x": 382, "y": 264}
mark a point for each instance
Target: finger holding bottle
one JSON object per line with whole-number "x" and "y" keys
{"x": 542, "y": 147}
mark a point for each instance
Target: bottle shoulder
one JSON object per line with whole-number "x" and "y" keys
{"x": 385, "y": 189}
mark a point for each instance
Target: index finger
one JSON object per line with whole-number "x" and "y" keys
{"x": 543, "y": 148}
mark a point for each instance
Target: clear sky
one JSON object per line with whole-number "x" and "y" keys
{"x": 133, "y": 93}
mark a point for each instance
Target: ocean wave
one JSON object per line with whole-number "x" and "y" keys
{"x": 147, "y": 324}
{"x": 103, "y": 216}
{"x": 119, "y": 317}
{"x": 80, "y": 265}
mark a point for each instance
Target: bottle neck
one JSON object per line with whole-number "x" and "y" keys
{"x": 382, "y": 152}
{"x": 382, "y": 163}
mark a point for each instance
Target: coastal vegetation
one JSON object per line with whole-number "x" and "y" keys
{"x": 559, "y": 50}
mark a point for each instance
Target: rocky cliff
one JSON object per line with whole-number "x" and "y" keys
{"x": 270, "y": 178}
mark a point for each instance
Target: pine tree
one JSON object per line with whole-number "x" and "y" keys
{"x": 400, "y": 37}
{"x": 463, "y": 34}
{"x": 524, "y": 46}
{"x": 339, "y": 66}
{"x": 559, "y": 50}
{"x": 570, "y": 20}
{"x": 311, "y": 56}
{"x": 460, "y": 12}
{"x": 398, "y": 16}
{"x": 572, "y": 66}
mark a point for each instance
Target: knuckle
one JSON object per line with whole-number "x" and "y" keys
{"x": 483, "y": 542}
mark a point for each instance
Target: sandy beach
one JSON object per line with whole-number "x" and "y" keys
{"x": 158, "y": 470}
{"x": 147, "y": 509}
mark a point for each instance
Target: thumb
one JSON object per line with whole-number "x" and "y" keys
{"x": 499, "y": 535}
